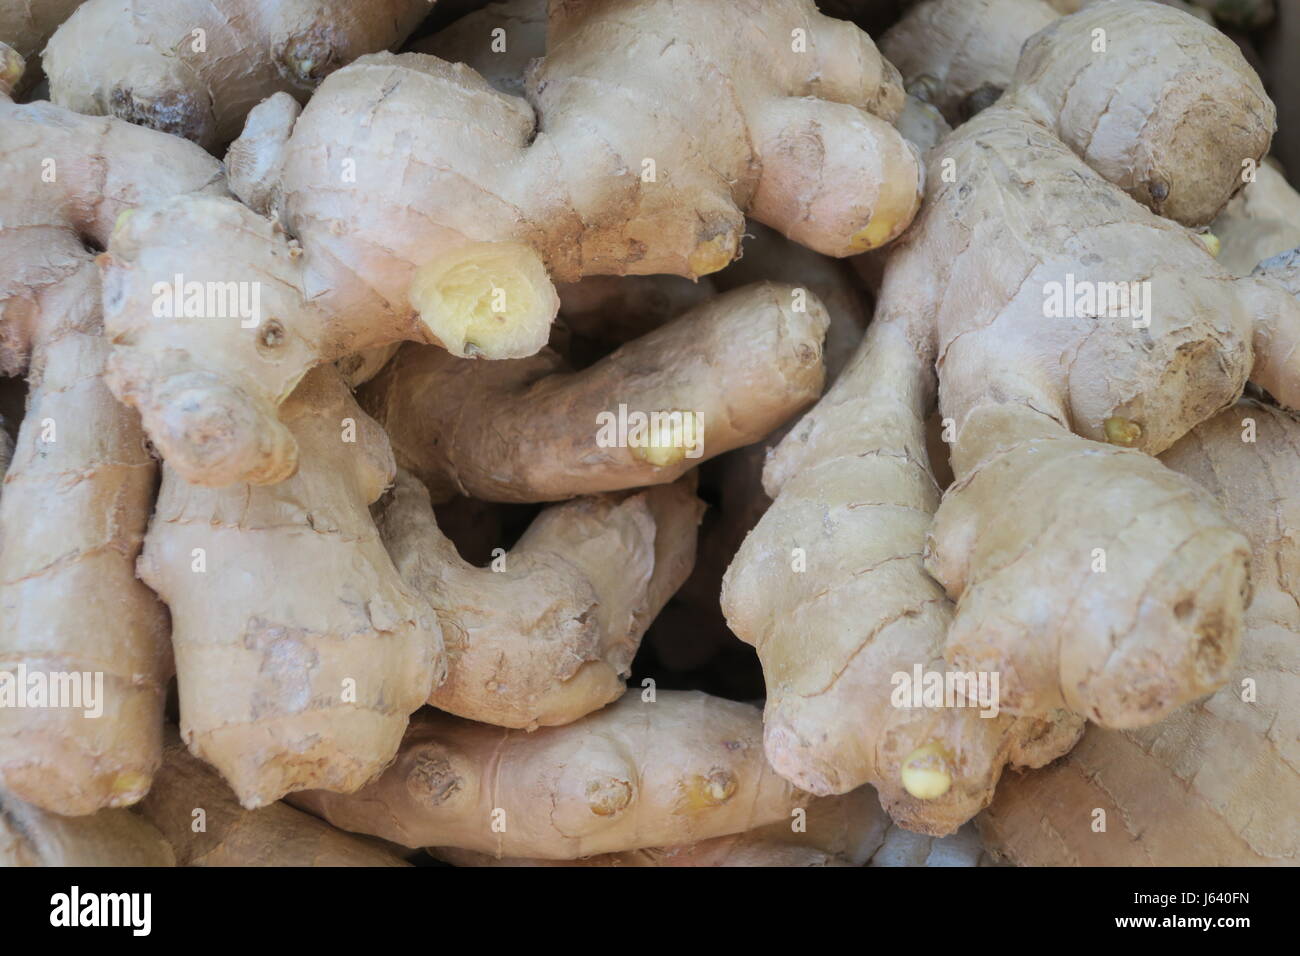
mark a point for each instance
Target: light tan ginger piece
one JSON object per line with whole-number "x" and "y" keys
{"x": 529, "y": 431}
{"x": 1034, "y": 378}
{"x": 300, "y": 652}
{"x": 1261, "y": 221}
{"x": 842, "y": 830}
{"x": 497, "y": 41}
{"x": 205, "y": 825}
{"x": 548, "y": 633}
{"x": 196, "y": 67}
{"x": 1207, "y": 110}
{"x": 1217, "y": 784}
{"x": 679, "y": 769}
{"x": 393, "y": 250}
{"x": 830, "y": 589}
{"x": 30, "y": 836}
{"x": 81, "y": 482}
{"x": 25, "y": 25}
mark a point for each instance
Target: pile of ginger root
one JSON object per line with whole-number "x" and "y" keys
{"x": 648, "y": 433}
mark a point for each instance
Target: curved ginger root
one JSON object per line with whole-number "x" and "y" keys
{"x": 78, "y": 491}
{"x": 681, "y": 768}
{"x": 391, "y": 249}
{"x": 300, "y": 651}
{"x": 527, "y": 431}
{"x": 548, "y": 634}
{"x": 1217, "y": 784}
{"x": 196, "y": 68}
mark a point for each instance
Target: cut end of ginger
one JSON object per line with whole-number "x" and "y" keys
{"x": 926, "y": 774}
{"x": 490, "y": 300}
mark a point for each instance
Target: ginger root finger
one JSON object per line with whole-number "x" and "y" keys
{"x": 830, "y": 589}
{"x": 80, "y": 486}
{"x": 681, "y": 768}
{"x": 548, "y": 632}
{"x": 1215, "y": 784}
{"x": 300, "y": 651}
{"x": 555, "y": 435}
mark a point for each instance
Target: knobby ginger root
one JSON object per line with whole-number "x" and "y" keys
{"x": 30, "y": 836}
{"x": 528, "y": 431}
{"x": 1217, "y": 784}
{"x": 79, "y": 488}
{"x": 679, "y": 769}
{"x": 205, "y": 825}
{"x": 549, "y": 632}
{"x": 392, "y": 249}
{"x": 830, "y": 589}
{"x": 1136, "y": 611}
{"x": 1175, "y": 136}
{"x": 196, "y": 68}
{"x": 300, "y": 651}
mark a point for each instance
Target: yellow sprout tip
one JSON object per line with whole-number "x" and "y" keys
{"x": 926, "y": 772}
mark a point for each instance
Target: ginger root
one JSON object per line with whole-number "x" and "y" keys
{"x": 641, "y": 773}
{"x": 195, "y": 69}
{"x": 549, "y": 632}
{"x": 1217, "y": 783}
{"x": 300, "y": 651}
{"x": 528, "y": 431}
{"x": 389, "y": 248}
{"x": 79, "y": 488}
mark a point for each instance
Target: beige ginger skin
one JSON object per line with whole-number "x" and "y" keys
{"x": 30, "y": 836}
{"x": 681, "y": 768}
{"x": 964, "y": 291}
{"x": 205, "y": 825}
{"x": 547, "y": 633}
{"x": 528, "y": 431}
{"x": 300, "y": 651}
{"x": 1218, "y": 783}
{"x": 390, "y": 249}
{"x": 196, "y": 67}
{"x": 78, "y": 491}
{"x": 25, "y": 25}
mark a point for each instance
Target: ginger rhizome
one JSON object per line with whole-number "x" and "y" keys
{"x": 547, "y": 633}
{"x": 671, "y": 770}
{"x": 196, "y": 67}
{"x": 300, "y": 651}
{"x": 447, "y": 215}
{"x": 1120, "y": 618}
{"x": 529, "y": 431}
{"x": 78, "y": 491}
{"x": 1216, "y": 784}
{"x": 198, "y": 815}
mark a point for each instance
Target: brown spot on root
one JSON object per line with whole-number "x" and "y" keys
{"x": 178, "y": 113}
{"x": 704, "y": 792}
{"x": 607, "y": 796}
{"x": 431, "y": 779}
